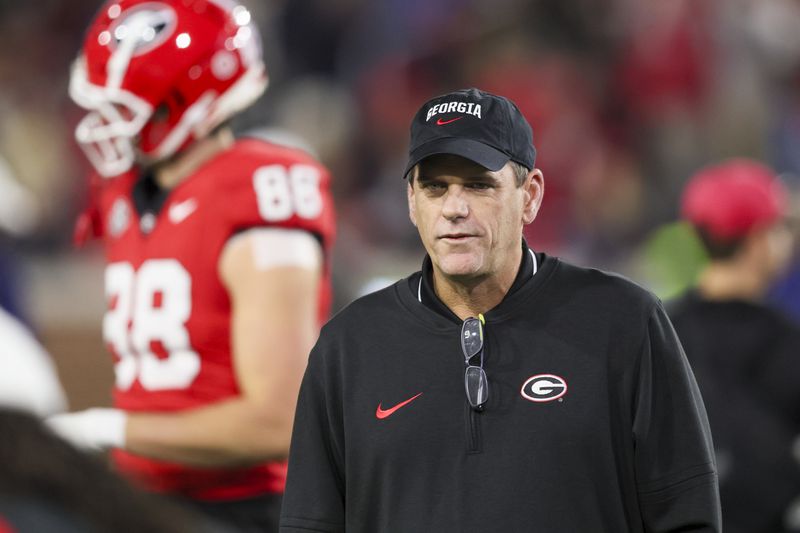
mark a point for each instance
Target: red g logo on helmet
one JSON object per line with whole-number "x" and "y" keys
{"x": 544, "y": 388}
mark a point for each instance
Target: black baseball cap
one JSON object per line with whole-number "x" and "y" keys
{"x": 479, "y": 126}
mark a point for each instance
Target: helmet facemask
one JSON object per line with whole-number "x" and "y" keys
{"x": 107, "y": 133}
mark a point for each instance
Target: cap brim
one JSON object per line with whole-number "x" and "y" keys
{"x": 482, "y": 154}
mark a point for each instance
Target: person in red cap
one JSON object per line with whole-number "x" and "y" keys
{"x": 743, "y": 353}
{"x": 739, "y": 206}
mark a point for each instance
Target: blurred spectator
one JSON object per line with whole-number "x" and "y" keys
{"x": 28, "y": 379}
{"x": 47, "y": 486}
{"x": 785, "y": 294}
{"x": 19, "y": 215}
{"x": 626, "y": 98}
{"x": 744, "y": 354}
{"x": 19, "y": 209}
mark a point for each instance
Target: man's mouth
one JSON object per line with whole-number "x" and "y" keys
{"x": 456, "y": 236}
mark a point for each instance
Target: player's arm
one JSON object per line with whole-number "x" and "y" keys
{"x": 273, "y": 277}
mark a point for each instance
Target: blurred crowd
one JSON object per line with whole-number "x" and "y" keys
{"x": 626, "y": 97}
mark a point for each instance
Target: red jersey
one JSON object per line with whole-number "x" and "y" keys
{"x": 168, "y": 322}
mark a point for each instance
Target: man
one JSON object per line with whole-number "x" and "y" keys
{"x": 217, "y": 275}
{"x": 498, "y": 389}
{"x": 744, "y": 353}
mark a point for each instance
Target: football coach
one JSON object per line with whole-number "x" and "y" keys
{"x": 498, "y": 389}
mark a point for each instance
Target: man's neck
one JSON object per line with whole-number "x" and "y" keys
{"x": 720, "y": 281}
{"x": 474, "y": 296}
{"x": 172, "y": 172}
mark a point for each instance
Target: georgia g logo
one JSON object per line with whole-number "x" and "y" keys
{"x": 147, "y": 25}
{"x": 544, "y": 388}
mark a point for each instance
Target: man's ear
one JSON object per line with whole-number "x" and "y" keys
{"x": 412, "y": 214}
{"x": 534, "y": 192}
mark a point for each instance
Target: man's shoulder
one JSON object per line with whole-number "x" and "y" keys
{"x": 684, "y": 305}
{"x": 250, "y": 163}
{"x": 368, "y": 309}
{"x": 255, "y": 183}
{"x": 602, "y": 286}
{"x": 248, "y": 155}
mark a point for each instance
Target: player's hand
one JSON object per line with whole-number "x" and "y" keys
{"x": 93, "y": 429}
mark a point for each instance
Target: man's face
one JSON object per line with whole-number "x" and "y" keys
{"x": 469, "y": 218}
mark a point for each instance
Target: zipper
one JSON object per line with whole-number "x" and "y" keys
{"x": 474, "y": 440}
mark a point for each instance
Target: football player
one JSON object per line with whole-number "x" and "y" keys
{"x": 217, "y": 249}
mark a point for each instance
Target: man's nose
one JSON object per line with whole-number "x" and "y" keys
{"x": 455, "y": 203}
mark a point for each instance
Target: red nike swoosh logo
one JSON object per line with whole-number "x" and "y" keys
{"x": 383, "y": 413}
{"x": 441, "y": 122}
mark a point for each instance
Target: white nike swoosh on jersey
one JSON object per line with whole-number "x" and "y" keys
{"x": 181, "y": 211}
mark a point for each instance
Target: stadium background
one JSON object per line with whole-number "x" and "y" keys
{"x": 626, "y": 97}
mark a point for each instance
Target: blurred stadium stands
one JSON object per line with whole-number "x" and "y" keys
{"x": 626, "y": 97}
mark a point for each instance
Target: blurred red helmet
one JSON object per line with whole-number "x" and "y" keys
{"x": 157, "y": 75}
{"x": 732, "y": 198}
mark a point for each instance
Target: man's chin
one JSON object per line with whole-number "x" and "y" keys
{"x": 460, "y": 265}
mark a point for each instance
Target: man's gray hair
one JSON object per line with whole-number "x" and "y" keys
{"x": 520, "y": 172}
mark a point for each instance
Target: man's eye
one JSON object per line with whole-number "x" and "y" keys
{"x": 433, "y": 186}
{"x": 479, "y": 186}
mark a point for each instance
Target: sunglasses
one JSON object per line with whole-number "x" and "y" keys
{"x": 475, "y": 382}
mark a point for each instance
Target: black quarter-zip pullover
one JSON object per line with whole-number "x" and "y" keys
{"x": 593, "y": 424}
